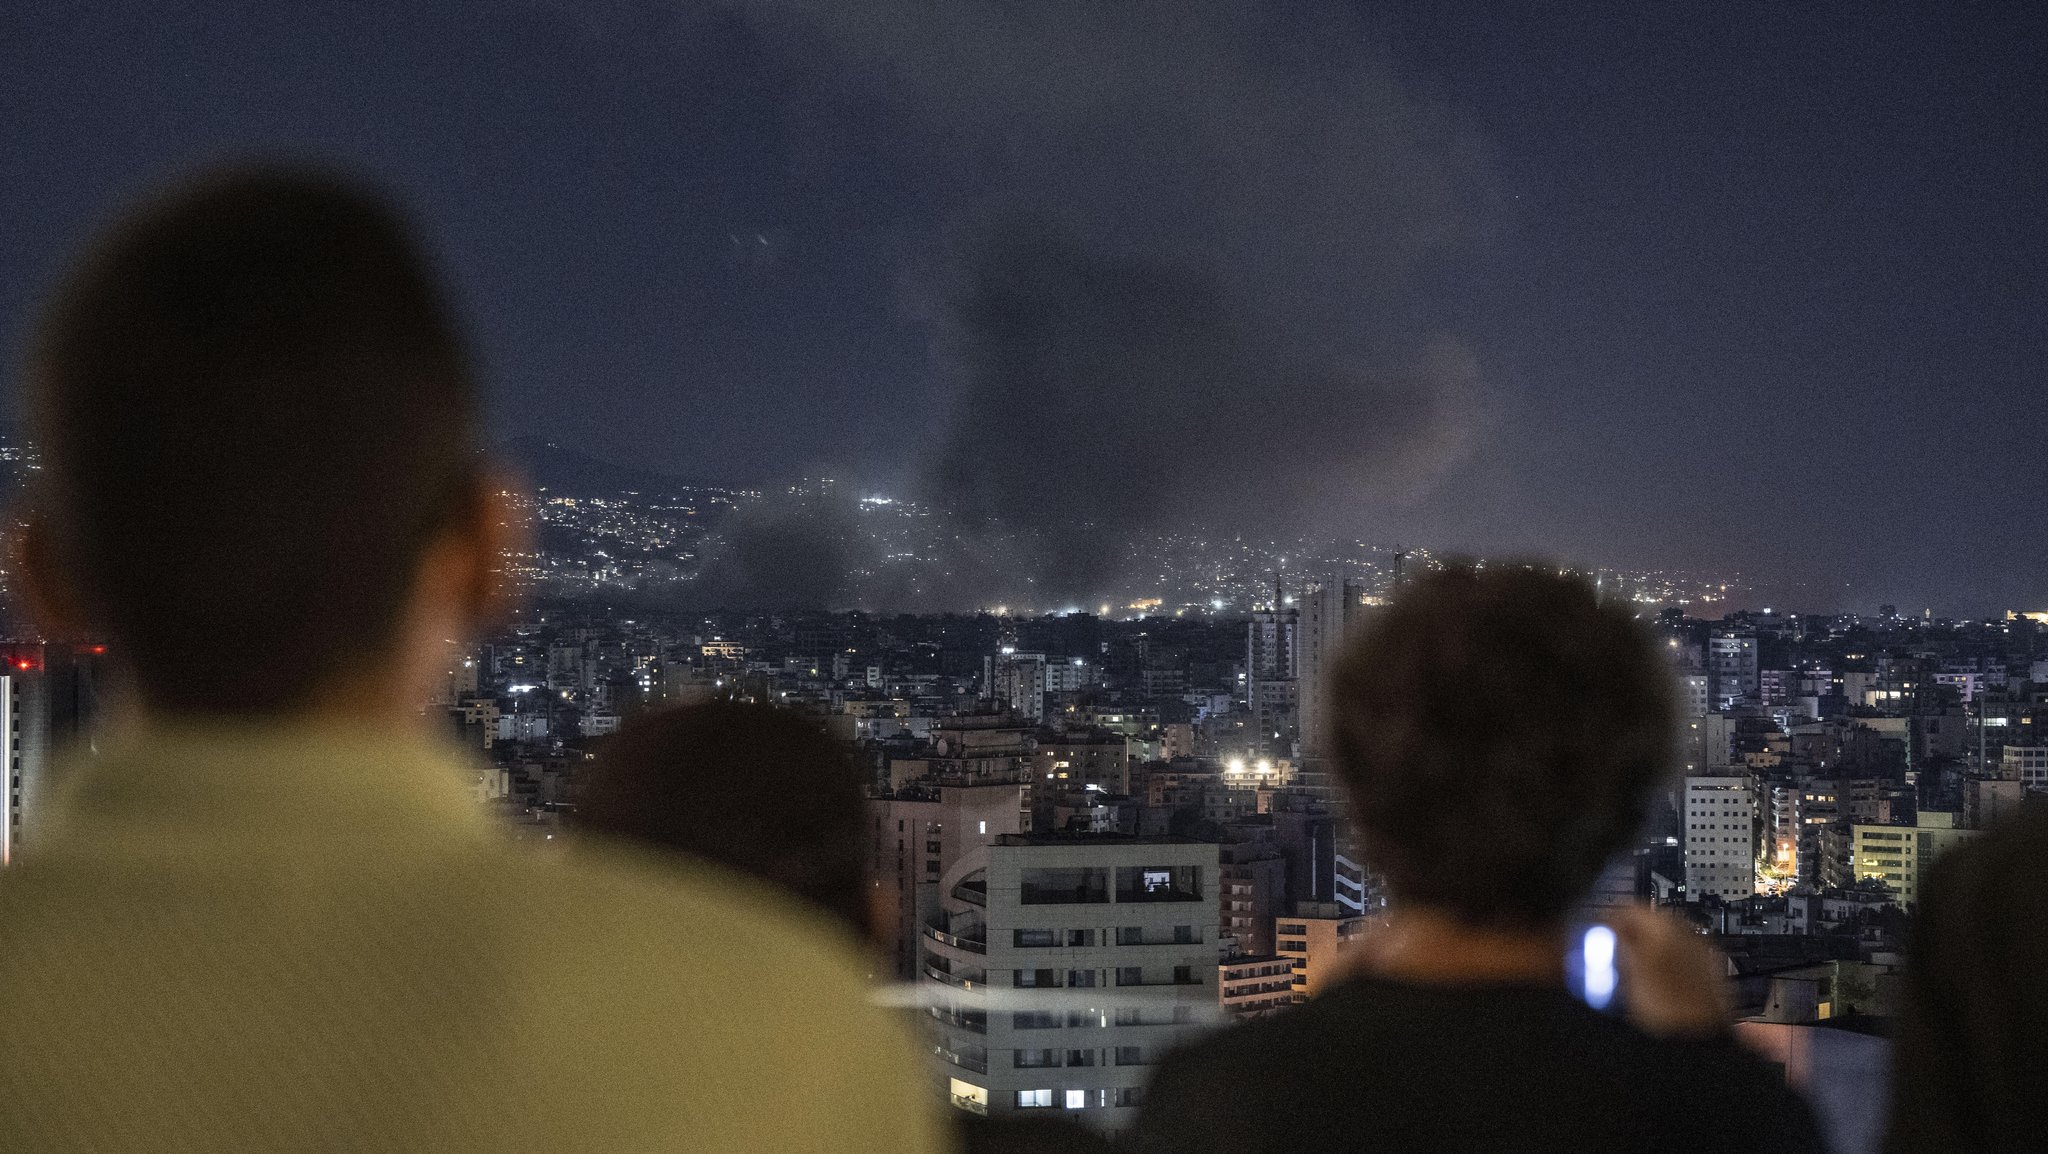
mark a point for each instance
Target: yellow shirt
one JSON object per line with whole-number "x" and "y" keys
{"x": 275, "y": 940}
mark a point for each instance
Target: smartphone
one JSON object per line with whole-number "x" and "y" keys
{"x": 1589, "y": 966}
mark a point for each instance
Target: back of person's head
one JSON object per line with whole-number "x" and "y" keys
{"x": 1500, "y": 732}
{"x": 757, "y": 789}
{"x": 255, "y": 415}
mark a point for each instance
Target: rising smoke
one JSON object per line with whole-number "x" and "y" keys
{"x": 1185, "y": 264}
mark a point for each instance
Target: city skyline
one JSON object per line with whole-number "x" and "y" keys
{"x": 1692, "y": 290}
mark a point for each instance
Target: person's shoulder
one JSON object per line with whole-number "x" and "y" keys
{"x": 1680, "y": 1092}
{"x": 690, "y": 977}
{"x": 1313, "y": 1034}
{"x": 1705, "y": 1092}
{"x": 1221, "y": 1092}
{"x": 618, "y": 895}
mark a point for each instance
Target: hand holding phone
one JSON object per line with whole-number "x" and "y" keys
{"x": 1673, "y": 982}
{"x": 1590, "y": 967}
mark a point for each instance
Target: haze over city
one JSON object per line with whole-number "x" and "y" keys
{"x": 1748, "y": 290}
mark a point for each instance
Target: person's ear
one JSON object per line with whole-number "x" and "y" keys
{"x": 52, "y": 597}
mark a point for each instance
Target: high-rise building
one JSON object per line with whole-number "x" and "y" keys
{"x": 1329, "y": 614}
{"x": 1720, "y": 836}
{"x": 1254, "y": 889}
{"x": 921, "y": 831}
{"x": 1059, "y": 969}
{"x": 1270, "y": 650}
{"x": 1732, "y": 663}
{"x": 1017, "y": 682}
{"x": 1272, "y": 690}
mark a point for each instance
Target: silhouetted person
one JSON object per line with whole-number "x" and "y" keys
{"x": 765, "y": 792}
{"x": 1499, "y": 733}
{"x": 270, "y": 915}
{"x": 1970, "y": 1067}
{"x": 756, "y": 789}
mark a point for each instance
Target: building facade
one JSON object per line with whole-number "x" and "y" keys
{"x": 1254, "y": 986}
{"x": 1329, "y": 614}
{"x": 1720, "y": 836}
{"x": 1058, "y": 969}
{"x": 1312, "y": 939}
{"x": 1900, "y": 856}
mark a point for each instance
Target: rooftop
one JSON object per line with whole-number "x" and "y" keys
{"x": 1085, "y": 837}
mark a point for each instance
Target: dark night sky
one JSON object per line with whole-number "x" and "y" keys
{"x": 1750, "y": 287}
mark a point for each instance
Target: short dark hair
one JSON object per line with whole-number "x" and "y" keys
{"x": 1500, "y": 732}
{"x": 255, "y": 413}
{"x": 760, "y": 790}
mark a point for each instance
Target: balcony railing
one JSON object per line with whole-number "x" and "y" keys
{"x": 955, "y": 980}
{"x": 1167, "y": 939}
{"x": 964, "y": 1061}
{"x": 971, "y": 945}
{"x": 1269, "y": 987}
{"x": 974, "y": 1023}
{"x": 973, "y": 893}
{"x": 969, "y": 1104}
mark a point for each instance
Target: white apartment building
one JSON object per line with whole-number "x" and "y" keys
{"x": 1720, "y": 836}
{"x": 1059, "y": 969}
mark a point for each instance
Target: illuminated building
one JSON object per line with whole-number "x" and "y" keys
{"x": 1899, "y": 856}
{"x": 1313, "y": 938}
{"x": 1089, "y": 757}
{"x": 1058, "y": 969}
{"x": 1252, "y": 987}
{"x": 1720, "y": 836}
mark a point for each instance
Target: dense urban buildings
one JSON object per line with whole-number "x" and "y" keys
{"x": 1099, "y": 829}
